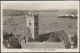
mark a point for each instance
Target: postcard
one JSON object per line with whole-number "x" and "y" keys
{"x": 35, "y": 26}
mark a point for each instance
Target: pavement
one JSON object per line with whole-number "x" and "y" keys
{"x": 55, "y": 45}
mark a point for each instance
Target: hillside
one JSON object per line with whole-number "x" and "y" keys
{"x": 11, "y": 12}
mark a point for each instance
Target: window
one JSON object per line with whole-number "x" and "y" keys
{"x": 30, "y": 22}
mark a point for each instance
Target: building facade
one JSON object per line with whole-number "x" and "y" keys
{"x": 32, "y": 24}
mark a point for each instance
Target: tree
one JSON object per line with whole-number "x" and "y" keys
{"x": 74, "y": 39}
{"x": 14, "y": 42}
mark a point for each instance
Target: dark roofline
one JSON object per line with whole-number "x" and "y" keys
{"x": 53, "y": 32}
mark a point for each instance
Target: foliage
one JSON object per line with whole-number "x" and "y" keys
{"x": 14, "y": 42}
{"x": 7, "y": 35}
{"x": 74, "y": 39}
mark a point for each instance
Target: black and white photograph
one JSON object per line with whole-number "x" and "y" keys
{"x": 48, "y": 24}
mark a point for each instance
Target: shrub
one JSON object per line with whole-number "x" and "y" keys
{"x": 14, "y": 42}
{"x": 74, "y": 39}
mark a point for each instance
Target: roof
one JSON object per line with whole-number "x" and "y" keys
{"x": 50, "y": 36}
{"x": 57, "y": 32}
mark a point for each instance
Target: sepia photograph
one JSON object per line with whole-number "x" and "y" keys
{"x": 48, "y": 24}
{"x": 39, "y": 52}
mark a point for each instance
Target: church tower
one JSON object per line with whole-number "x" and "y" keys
{"x": 32, "y": 24}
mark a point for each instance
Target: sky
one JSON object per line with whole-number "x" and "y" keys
{"x": 39, "y": 5}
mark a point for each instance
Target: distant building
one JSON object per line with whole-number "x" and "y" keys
{"x": 71, "y": 16}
